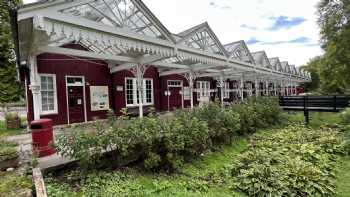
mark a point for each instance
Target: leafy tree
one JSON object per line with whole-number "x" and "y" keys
{"x": 334, "y": 21}
{"x": 313, "y": 66}
{"x": 9, "y": 83}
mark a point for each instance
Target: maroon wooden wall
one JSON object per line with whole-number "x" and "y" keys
{"x": 118, "y": 79}
{"x": 164, "y": 87}
{"x": 61, "y": 66}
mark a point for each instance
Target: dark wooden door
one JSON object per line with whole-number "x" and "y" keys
{"x": 76, "y": 104}
{"x": 175, "y": 99}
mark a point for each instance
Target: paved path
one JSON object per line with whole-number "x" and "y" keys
{"x": 25, "y": 151}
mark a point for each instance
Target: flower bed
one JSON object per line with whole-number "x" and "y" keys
{"x": 296, "y": 161}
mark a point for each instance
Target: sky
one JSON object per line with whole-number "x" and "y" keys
{"x": 282, "y": 28}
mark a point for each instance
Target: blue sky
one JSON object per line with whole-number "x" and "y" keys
{"x": 283, "y": 28}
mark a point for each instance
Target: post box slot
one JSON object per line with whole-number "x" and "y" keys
{"x": 36, "y": 126}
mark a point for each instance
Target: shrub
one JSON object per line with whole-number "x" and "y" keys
{"x": 345, "y": 123}
{"x": 345, "y": 116}
{"x": 223, "y": 123}
{"x": 7, "y": 151}
{"x": 258, "y": 113}
{"x": 268, "y": 111}
{"x": 293, "y": 162}
{"x": 13, "y": 121}
{"x": 164, "y": 144}
{"x": 247, "y": 116}
{"x": 154, "y": 143}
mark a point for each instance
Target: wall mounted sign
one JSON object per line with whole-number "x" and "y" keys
{"x": 120, "y": 88}
{"x": 99, "y": 98}
{"x": 167, "y": 93}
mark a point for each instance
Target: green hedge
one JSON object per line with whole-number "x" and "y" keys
{"x": 258, "y": 113}
{"x": 167, "y": 143}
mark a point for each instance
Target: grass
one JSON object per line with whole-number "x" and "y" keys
{"x": 14, "y": 184}
{"x": 4, "y": 132}
{"x": 317, "y": 119}
{"x": 343, "y": 177}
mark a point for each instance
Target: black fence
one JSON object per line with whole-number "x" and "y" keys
{"x": 314, "y": 103}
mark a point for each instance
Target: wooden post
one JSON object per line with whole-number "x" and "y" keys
{"x": 306, "y": 111}
{"x": 39, "y": 184}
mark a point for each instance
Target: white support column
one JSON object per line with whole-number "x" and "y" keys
{"x": 290, "y": 87}
{"x": 275, "y": 87}
{"x": 257, "y": 87}
{"x": 282, "y": 90}
{"x": 222, "y": 86}
{"x": 267, "y": 87}
{"x": 35, "y": 86}
{"x": 190, "y": 76}
{"x": 242, "y": 88}
{"x": 140, "y": 89}
{"x": 138, "y": 71}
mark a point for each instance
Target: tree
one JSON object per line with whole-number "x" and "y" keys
{"x": 334, "y": 21}
{"x": 313, "y": 67}
{"x": 9, "y": 82}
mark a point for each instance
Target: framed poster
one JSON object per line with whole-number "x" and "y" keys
{"x": 99, "y": 98}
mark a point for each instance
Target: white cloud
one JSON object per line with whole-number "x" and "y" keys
{"x": 227, "y": 16}
{"x": 226, "y": 23}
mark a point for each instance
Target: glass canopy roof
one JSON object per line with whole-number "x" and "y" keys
{"x": 116, "y": 13}
{"x": 238, "y": 51}
{"x": 202, "y": 40}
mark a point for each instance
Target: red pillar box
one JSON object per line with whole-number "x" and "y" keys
{"x": 42, "y": 136}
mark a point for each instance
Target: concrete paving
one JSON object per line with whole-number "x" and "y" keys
{"x": 25, "y": 152}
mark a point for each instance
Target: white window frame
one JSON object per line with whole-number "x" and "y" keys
{"x": 135, "y": 92}
{"x": 55, "y": 110}
{"x": 202, "y": 91}
{"x": 174, "y": 86}
{"x": 226, "y": 90}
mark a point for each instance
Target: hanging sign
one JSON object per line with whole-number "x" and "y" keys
{"x": 99, "y": 98}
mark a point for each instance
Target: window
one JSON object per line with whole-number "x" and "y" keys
{"x": 226, "y": 90}
{"x": 174, "y": 83}
{"x": 75, "y": 81}
{"x": 132, "y": 95}
{"x": 203, "y": 87}
{"x": 129, "y": 91}
{"x": 48, "y": 94}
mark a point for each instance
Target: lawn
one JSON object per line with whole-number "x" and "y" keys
{"x": 343, "y": 177}
{"x": 317, "y": 119}
{"x": 14, "y": 184}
